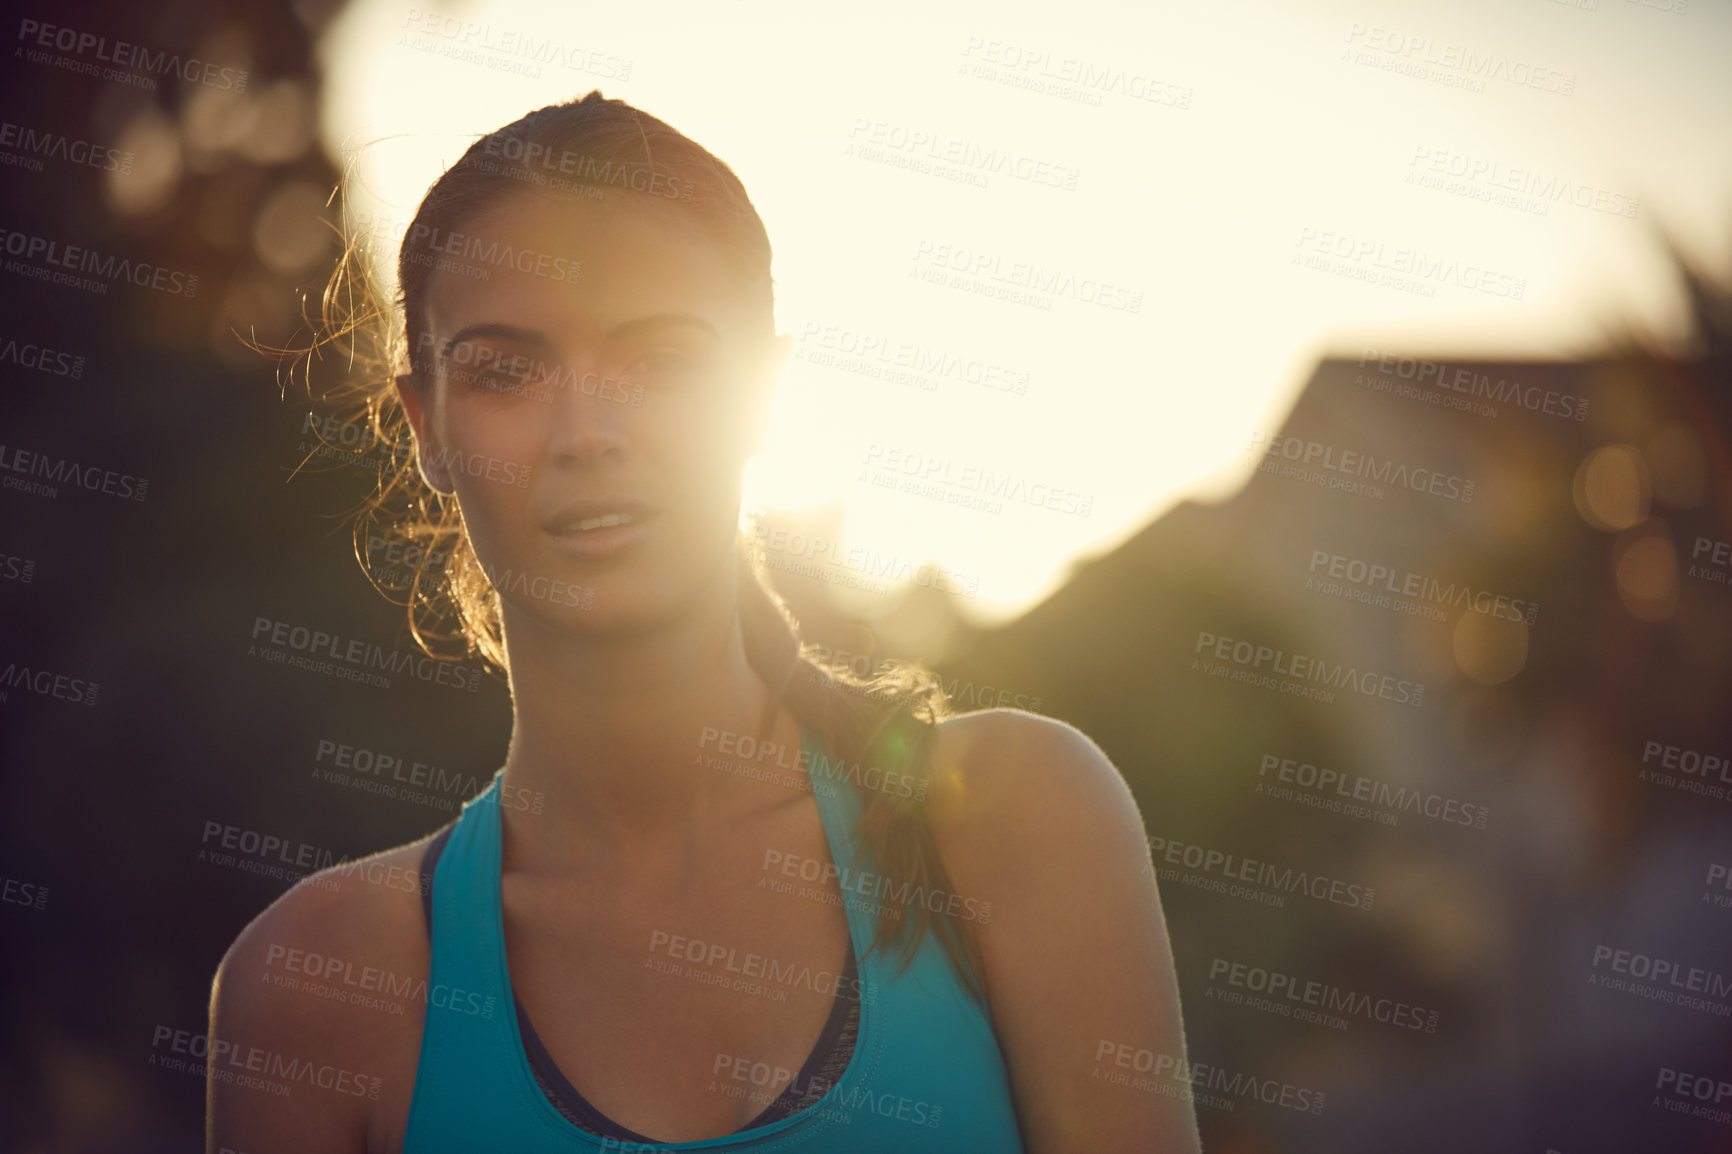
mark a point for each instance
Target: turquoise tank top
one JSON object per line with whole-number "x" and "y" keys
{"x": 926, "y": 1074}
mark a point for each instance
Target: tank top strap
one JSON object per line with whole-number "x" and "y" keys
{"x": 469, "y": 1006}
{"x": 839, "y": 809}
{"x": 475, "y": 844}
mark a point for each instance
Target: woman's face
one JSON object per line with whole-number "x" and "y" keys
{"x": 597, "y": 386}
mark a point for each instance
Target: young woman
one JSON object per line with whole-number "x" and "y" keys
{"x": 719, "y": 896}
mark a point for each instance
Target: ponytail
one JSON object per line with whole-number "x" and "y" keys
{"x": 888, "y": 722}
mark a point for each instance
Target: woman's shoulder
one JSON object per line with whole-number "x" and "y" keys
{"x": 998, "y": 765}
{"x": 312, "y": 977}
{"x": 366, "y": 904}
{"x": 1011, "y": 789}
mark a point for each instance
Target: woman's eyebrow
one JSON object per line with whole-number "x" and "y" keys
{"x": 503, "y": 332}
{"x": 662, "y": 320}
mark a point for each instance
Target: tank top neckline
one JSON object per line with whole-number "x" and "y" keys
{"x": 836, "y": 811}
{"x": 836, "y": 1041}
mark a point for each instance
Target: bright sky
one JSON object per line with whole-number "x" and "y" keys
{"x": 1207, "y": 147}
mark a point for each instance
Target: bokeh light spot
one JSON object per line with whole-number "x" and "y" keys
{"x": 1490, "y": 650}
{"x": 290, "y": 234}
{"x": 1611, "y": 488}
{"x": 154, "y": 175}
{"x": 1647, "y": 576}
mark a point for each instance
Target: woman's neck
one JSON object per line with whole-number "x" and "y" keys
{"x": 609, "y": 737}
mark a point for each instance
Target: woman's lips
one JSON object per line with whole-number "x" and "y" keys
{"x": 605, "y": 540}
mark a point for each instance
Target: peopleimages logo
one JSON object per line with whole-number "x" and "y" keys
{"x": 1331, "y": 467}
{"x": 41, "y": 358}
{"x": 1662, "y": 980}
{"x": 426, "y": 242}
{"x": 1232, "y": 867}
{"x": 1199, "y": 1079}
{"x": 960, "y": 693}
{"x": 351, "y": 659}
{"x": 1365, "y": 258}
{"x": 1366, "y": 581}
{"x": 1422, "y": 54}
{"x": 876, "y": 354}
{"x": 1522, "y": 180}
{"x": 931, "y": 475}
{"x": 392, "y": 775}
{"x": 870, "y": 139}
{"x": 370, "y": 987}
{"x": 1718, "y": 874}
{"x": 14, "y": 891}
{"x": 224, "y": 1061}
{"x": 1072, "y": 76}
{"x": 494, "y": 370}
{"x": 33, "y": 144}
{"x": 62, "y": 471}
{"x": 1468, "y": 388}
{"x": 1310, "y": 1000}
{"x": 543, "y": 160}
{"x": 720, "y": 964}
{"x": 860, "y": 559}
{"x": 264, "y": 846}
{"x": 1337, "y": 791}
{"x": 1703, "y": 1088}
{"x": 820, "y": 767}
{"x": 46, "y": 683}
{"x": 540, "y": 587}
{"x": 89, "y": 46}
{"x": 1689, "y": 770}
{"x": 1719, "y": 555}
{"x": 78, "y": 259}
{"x": 523, "y": 47}
{"x": 1251, "y": 659}
{"x": 866, "y": 883}
{"x": 16, "y": 568}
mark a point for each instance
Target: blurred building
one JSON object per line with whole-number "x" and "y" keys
{"x": 1441, "y": 647}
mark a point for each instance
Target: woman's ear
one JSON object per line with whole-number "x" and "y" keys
{"x": 429, "y": 456}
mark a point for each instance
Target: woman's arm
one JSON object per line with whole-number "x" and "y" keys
{"x": 281, "y": 1017}
{"x": 1031, "y": 815}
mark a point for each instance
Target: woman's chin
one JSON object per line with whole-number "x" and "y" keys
{"x": 604, "y": 603}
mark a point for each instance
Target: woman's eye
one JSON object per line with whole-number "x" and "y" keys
{"x": 667, "y": 365}
{"x": 490, "y": 381}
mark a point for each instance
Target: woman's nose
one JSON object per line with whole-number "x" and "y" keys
{"x": 589, "y": 410}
